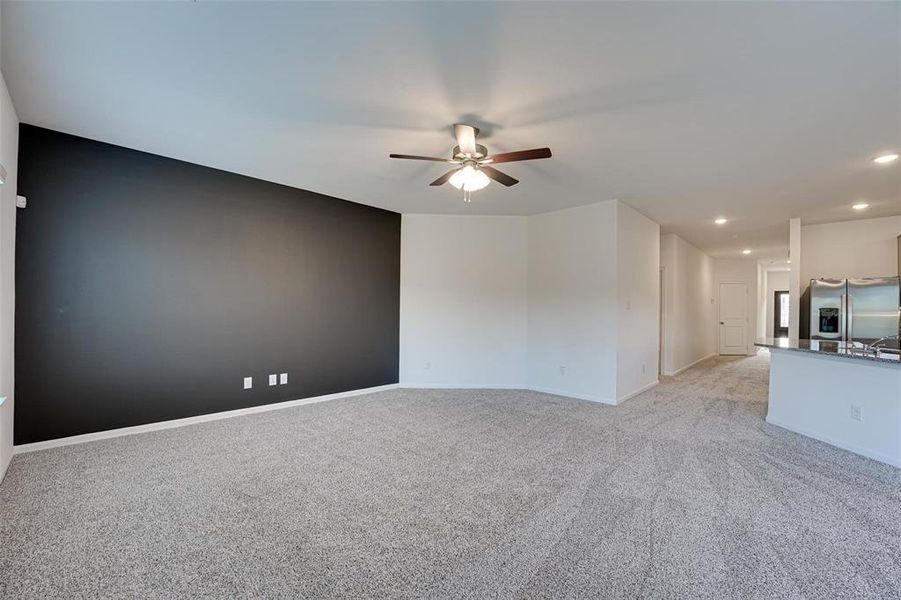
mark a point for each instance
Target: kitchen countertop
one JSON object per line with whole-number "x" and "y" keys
{"x": 830, "y": 348}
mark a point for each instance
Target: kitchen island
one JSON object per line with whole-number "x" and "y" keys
{"x": 833, "y": 392}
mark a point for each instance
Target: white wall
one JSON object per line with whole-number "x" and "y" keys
{"x": 689, "y": 332}
{"x": 638, "y": 298}
{"x": 863, "y": 248}
{"x": 727, "y": 270}
{"x": 9, "y": 147}
{"x": 760, "y": 331}
{"x": 463, "y": 301}
{"x": 572, "y": 308}
{"x": 564, "y": 302}
{"x": 775, "y": 281}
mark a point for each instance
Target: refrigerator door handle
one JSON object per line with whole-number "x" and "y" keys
{"x": 849, "y": 310}
{"x": 843, "y": 321}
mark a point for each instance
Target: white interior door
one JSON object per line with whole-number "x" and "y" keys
{"x": 733, "y": 318}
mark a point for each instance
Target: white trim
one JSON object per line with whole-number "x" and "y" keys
{"x": 662, "y": 338}
{"x": 688, "y": 366}
{"x": 492, "y": 386}
{"x": 884, "y": 458}
{"x": 113, "y": 433}
{"x": 459, "y": 386}
{"x": 543, "y": 390}
{"x": 4, "y": 465}
{"x": 565, "y": 394}
{"x": 640, "y": 390}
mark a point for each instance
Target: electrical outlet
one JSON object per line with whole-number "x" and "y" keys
{"x": 283, "y": 378}
{"x": 248, "y": 383}
{"x": 856, "y": 412}
{"x": 643, "y": 368}
{"x": 562, "y": 370}
{"x": 273, "y": 379}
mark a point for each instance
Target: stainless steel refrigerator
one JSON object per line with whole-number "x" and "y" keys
{"x": 861, "y": 310}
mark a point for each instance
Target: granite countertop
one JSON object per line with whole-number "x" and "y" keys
{"x": 832, "y": 348}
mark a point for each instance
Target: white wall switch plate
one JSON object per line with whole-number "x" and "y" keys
{"x": 273, "y": 379}
{"x": 248, "y": 383}
{"x": 856, "y": 413}
{"x": 283, "y": 378}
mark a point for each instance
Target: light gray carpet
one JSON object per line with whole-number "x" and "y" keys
{"x": 682, "y": 492}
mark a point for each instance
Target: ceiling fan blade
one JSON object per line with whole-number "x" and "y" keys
{"x": 443, "y": 179}
{"x": 466, "y": 138}
{"x": 414, "y": 157}
{"x": 498, "y": 176}
{"x": 520, "y": 155}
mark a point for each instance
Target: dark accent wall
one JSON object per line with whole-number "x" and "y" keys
{"x": 147, "y": 289}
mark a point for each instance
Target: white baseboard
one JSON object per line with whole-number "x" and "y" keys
{"x": 883, "y": 458}
{"x": 544, "y": 390}
{"x": 640, "y": 390}
{"x": 458, "y": 386}
{"x": 4, "y": 466}
{"x": 5, "y": 457}
{"x": 566, "y": 394}
{"x": 688, "y": 366}
{"x": 492, "y": 386}
{"x": 113, "y": 433}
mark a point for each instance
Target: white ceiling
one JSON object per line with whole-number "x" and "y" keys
{"x": 686, "y": 111}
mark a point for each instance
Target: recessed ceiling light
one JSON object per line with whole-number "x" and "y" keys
{"x": 860, "y": 206}
{"x": 721, "y": 220}
{"x": 885, "y": 159}
{"x": 746, "y": 251}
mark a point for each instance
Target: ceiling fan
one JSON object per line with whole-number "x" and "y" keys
{"x": 472, "y": 165}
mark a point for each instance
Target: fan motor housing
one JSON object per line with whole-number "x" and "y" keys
{"x": 481, "y": 152}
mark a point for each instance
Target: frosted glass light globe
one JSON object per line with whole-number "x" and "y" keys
{"x": 460, "y": 177}
{"x": 469, "y": 179}
{"x": 477, "y": 180}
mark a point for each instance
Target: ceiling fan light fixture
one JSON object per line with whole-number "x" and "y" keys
{"x": 885, "y": 159}
{"x": 477, "y": 181}
{"x": 469, "y": 179}
{"x": 473, "y": 167}
{"x": 460, "y": 177}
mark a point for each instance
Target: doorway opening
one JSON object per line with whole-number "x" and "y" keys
{"x": 781, "y": 306}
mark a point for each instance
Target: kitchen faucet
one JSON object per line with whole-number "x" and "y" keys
{"x": 874, "y": 345}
